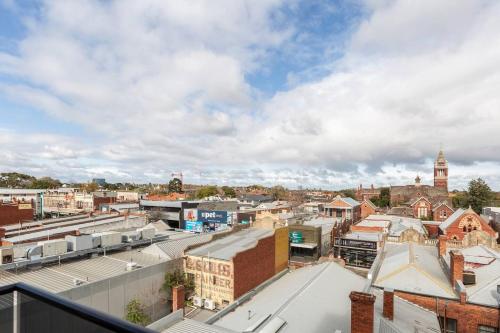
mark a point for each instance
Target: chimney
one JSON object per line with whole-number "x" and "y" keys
{"x": 177, "y": 298}
{"x": 442, "y": 245}
{"x": 456, "y": 267}
{"x": 388, "y": 310}
{"x": 361, "y": 312}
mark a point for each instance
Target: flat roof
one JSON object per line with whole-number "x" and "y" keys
{"x": 59, "y": 278}
{"x": 4, "y": 190}
{"x": 226, "y": 248}
{"x": 67, "y": 228}
{"x": 161, "y": 203}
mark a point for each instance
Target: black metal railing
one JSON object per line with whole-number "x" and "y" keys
{"x": 24, "y": 308}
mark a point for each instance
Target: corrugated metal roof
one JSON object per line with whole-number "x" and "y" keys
{"x": 413, "y": 268}
{"x": 58, "y": 278}
{"x": 226, "y": 248}
{"x": 174, "y": 248}
{"x": 20, "y": 191}
{"x": 190, "y": 326}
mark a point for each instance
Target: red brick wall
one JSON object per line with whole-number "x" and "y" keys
{"x": 416, "y": 206}
{"x": 254, "y": 266}
{"x": 455, "y": 230}
{"x": 361, "y": 312}
{"x": 11, "y": 214}
{"x": 436, "y": 216}
{"x": 103, "y": 200}
{"x": 366, "y": 210}
{"x": 432, "y": 230}
{"x": 468, "y": 316}
{"x": 363, "y": 228}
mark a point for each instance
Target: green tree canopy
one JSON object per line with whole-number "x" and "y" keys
{"x": 278, "y": 192}
{"x": 175, "y": 185}
{"x": 350, "y": 193}
{"x": 228, "y": 191}
{"x": 177, "y": 278}
{"x": 479, "y": 195}
{"x": 206, "y": 191}
{"x": 46, "y": 183}
{"x": 136, "y": 314}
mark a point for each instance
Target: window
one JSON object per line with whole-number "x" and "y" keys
{"x": 451, "y": 325}
{"x": 486, "y": 329}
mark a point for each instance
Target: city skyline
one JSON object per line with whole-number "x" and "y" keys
{"x": 315, "y": 94}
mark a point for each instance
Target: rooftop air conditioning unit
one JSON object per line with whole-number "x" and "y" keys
{"x": 198, "y": 301}
{"x": 209, "y": 304}
{"x": 131, "y": 266}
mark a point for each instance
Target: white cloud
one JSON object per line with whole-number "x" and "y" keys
{"x": 163, "y": 83}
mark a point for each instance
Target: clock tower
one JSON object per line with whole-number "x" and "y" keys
{"x": 441, "y": 171}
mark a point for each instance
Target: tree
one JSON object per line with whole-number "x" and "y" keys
{"x": 479, "y": 195}
{"x": 460, "y": 199}
{"x": 278, "y": 192}
{"x": 228, "y": 191}
{"x": 206, "y": 191}
{"x": 136, "y": 313}
{"x": 384, "y": 199}
{"x": 46, "y": 183}
{"x": 90, "y": 187}
{"x": 175, "y": 185}
{"x": 177, "y": 278}
{"x": 350, "y": 193}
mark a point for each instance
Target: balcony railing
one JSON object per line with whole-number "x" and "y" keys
{"x": 24, "y": 309}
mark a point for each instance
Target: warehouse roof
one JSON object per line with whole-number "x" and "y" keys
{"x": 226, "y": 248}
{"x": 174, "y": 248}
{"x": 67, "y": 228}
{"x": 161, "y": 203}
{"x": 61, "y": 277}
{"x": 20, "y": 191}
{"x": 309, "y": 293}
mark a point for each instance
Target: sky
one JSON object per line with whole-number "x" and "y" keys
{"x": 312, "y": 94}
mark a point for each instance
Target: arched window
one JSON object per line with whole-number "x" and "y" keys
{"x": 464, "y": 229}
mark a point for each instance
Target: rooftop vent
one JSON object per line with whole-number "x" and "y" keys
{"x": 78, "y": 282}
{"x": 131, "y": 266}
{"x": 469, "y": 278}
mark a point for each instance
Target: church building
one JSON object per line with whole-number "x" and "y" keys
{"x": 428, "y": 202}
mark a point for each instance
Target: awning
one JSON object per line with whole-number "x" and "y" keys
{"x": 304, "y": 245}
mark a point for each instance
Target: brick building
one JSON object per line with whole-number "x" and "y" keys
{"x": 459, "y": 286}
{"x": 441, "y": 211}
{"x": 225, "y": 269}
{"x": 363, "y": 193}
{"x": 464, "y": 222}
{"x": 367, "y": 208}
{"x": 16, "y": 212}
{"x": 405, "y": 195}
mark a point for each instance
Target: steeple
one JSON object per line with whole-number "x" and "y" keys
{"x": 441, "y": 171}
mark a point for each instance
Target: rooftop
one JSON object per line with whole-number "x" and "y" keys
{"x": 226, "y": 248}
{"x": 58, "y": 278}
{"x": 413, "y": 268}
{"x": 20, "y": 191}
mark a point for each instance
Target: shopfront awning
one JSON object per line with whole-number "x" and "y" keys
{"x": 304, "y": 245}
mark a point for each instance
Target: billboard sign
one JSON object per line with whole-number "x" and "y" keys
{"x": 194, "y": 226}
{"x": 190, "y": 215}
{"x": 212, "y": 216}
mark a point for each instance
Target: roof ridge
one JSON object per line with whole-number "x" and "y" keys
{"x": 429, "y": 276}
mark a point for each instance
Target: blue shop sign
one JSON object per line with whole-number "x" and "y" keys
{"x": 212, "y": 216}
{"x": 195, "y": 226}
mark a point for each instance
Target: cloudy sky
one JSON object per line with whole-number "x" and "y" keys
{"x": 311, "y": 93}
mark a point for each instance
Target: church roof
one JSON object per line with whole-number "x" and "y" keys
{"x": 440, "y": 155}
{"x": 452, "y": 218}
